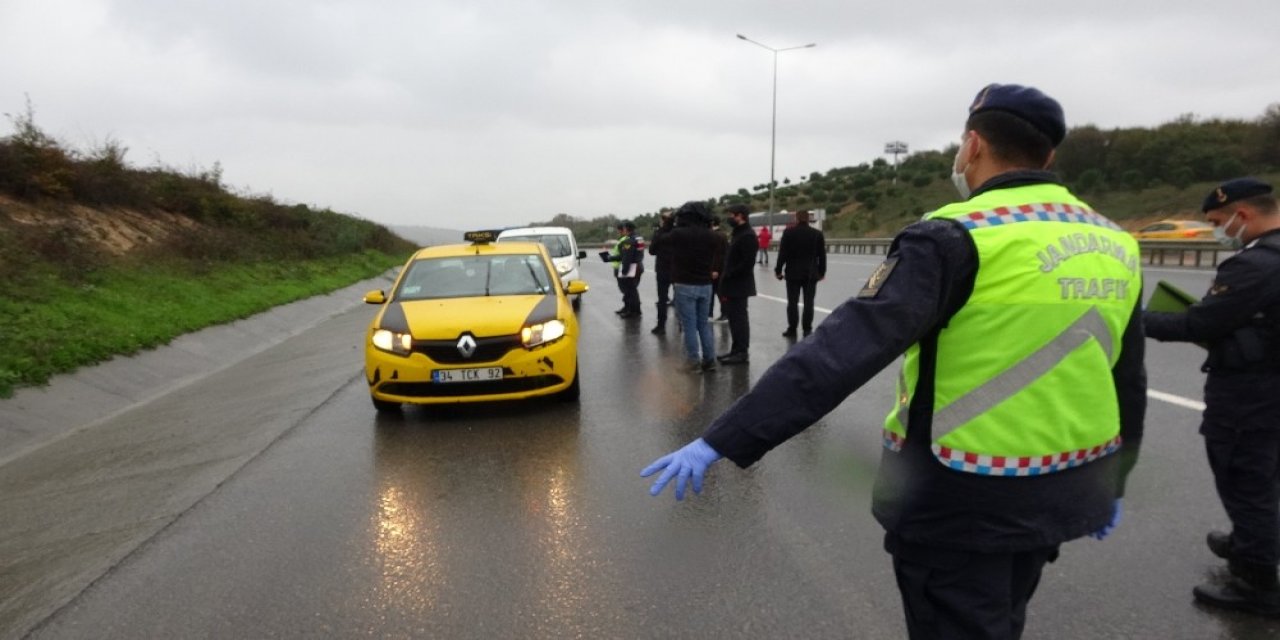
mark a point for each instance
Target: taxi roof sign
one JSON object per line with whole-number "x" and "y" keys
{"x": 480, "y": 237}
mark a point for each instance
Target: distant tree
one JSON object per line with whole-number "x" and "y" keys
{"x": 786, "y": 181}
{"x": 743, "y": 193}
{"x": 1090, "y": 181}
{"x": 815, "y": 176}
{"x": 1133, "y": 179}
{"x": 1228, "y": 167}
{"x": 921, "y": 180}
{"x": 1181, "y": 177}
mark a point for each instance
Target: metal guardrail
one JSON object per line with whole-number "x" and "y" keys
{"x": 1196, "y": 254}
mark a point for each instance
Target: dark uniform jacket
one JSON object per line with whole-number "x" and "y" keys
{"x": 916, "y": 499}
{"x": 660, "y": 251}
{"x": 802, "y": 254}
{"x": 695, "y": 253}
{"x": 629, "y": 253}
{"x": 1239, "y": 321}
{"x": 738, "y": 277}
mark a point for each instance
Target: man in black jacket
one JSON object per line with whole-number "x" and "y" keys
{"x": 661, "y": 253}
{"x": 1239, "y": 321}
{"x": 802, "y": 262}
{"x": 738, "y": 282}
{"x": 695, "y": 255}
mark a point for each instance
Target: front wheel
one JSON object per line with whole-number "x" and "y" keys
{"x": 571, "y": 393}
{"x": 384, "y": 406}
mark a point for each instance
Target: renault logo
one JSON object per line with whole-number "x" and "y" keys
{"x": 466, "y": 345}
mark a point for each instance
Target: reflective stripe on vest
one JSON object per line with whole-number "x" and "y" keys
{"x": 1033, "y": 407}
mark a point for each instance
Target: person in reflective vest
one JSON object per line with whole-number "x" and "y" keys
{"x": 1021, "y": 396}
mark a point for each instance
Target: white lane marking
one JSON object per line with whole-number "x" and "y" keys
{"x": 1178, "y": 400}
{"x": 784, "y": 301}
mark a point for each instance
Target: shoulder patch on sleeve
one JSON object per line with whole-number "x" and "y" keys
{"x": 878, "y": 278}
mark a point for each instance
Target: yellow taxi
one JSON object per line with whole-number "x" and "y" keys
{"x": 473, "y": 322}
{"x": 1175, "y": 230}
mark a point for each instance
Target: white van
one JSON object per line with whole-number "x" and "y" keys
{"x": 560, "y": 243}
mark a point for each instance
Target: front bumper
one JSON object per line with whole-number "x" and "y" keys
{"x": 526, "y": 373}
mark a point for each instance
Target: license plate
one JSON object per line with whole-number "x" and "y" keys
{"x": 467, "y": 375}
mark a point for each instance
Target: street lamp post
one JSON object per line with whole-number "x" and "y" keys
{"x": 773, "y": 130}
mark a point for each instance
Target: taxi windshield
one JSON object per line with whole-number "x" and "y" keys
{"x": 557, "y": 244}
{"x": 474, "y": 276}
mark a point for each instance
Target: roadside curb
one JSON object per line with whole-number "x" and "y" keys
{"x": 36, "y": 416}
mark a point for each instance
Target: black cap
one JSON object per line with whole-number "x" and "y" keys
{"x": 1028, "y": 103}
{"x": 739, "y": 209}
{"x": 627, "y": 224}
{"x": 1234, "y": 190}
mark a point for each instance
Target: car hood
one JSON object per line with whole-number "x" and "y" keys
{"x": 481, "y": 316}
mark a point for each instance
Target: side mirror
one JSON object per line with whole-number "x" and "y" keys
{"x": 375, "y": 297}
{"x": 582, "y": 254}
{"x": 576, "y": 287}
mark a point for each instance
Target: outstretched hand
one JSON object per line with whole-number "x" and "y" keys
{"x": 689, "y": 462}
{"x": 1107, "y": 528}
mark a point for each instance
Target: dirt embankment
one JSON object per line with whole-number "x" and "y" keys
{"x": 114, "y": 231}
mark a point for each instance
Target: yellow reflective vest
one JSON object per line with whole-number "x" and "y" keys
{"x": 1023, "y": 382}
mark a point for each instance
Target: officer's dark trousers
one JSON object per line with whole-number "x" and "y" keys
{"x": 956, "y": 594}
{"x": 794, "y": 290}
{"x": 630, "y": 293}
{"x": 735, "y": 309}
{"x": 1246, "y": 470}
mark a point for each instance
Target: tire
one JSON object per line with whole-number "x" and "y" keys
{"x": 384, "y": 406}
{"x": 571, "y": 393}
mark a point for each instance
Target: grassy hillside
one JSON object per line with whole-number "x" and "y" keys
{"x": 99, "y": 259}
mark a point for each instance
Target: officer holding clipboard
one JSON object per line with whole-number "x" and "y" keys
{"x": 1238, "y": 321}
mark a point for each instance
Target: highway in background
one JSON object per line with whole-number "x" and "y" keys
{"x": 319, "y": 518}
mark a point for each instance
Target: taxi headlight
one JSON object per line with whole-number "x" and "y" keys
{"x": 392, "y": 342}
{"x": 536, "y": 334}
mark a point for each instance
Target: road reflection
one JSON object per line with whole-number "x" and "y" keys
{"x": 502, "y": 523}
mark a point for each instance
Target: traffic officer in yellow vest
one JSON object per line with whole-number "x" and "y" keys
{"x": 1021, "y": 395}
{"x": 1239, "y": 322}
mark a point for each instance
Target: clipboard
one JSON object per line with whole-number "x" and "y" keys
{"x": 1169, "y": 298}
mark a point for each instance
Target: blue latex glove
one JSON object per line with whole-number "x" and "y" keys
{"x": 1107, "y": 528}
{"x": 691, "y": 460}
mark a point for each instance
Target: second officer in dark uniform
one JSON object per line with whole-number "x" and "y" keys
{"x": 1021, "y": 397}
{"x": 630, "y": 268}
{"x": 1239, "y": 321}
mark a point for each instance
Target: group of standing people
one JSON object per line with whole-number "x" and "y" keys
{"x": 695, "y": 264}
{"x": 1022, "y": 392}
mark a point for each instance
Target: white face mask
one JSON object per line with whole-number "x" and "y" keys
{"x": 957, "y": 175}
{"x": 1232, "y": 242}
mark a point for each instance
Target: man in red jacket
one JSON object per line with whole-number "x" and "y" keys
{"x": 765, "y": 237}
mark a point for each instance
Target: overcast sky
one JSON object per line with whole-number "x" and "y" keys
{"x": 468, "y": 113}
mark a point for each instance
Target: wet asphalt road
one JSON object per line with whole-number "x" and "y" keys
{"x": 271, "y": 501}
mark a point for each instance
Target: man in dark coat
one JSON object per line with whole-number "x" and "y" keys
{"x": 802, "y": 262}
{"x": 738, "y": 283}
{"x": 661, "y": 252}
